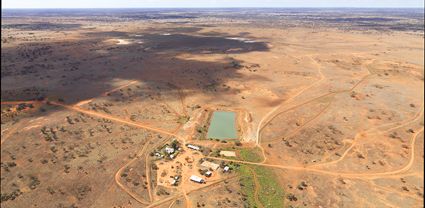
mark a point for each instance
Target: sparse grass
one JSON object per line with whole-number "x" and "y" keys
{"x": 245, "y": 154}
{"x": 247, "y": 185}
{"x": 202, "y": 131}
{"x": 251, "y": 155}
{"x": 270, "y": 194}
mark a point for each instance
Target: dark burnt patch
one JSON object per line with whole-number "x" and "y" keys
{"x": 196, "y": 44}
{"x": 41, "y": 26}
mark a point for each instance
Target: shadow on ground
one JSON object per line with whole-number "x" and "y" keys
{"x": 84, "y": 69}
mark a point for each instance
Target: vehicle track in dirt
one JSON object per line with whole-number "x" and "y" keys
{"x": 112, "y": 118}
{"x": 123, "y": 187}
{"x": 297, "y": 168}
{"x": 302, "y": 126}
{"x": 151, "y": 203}
{"x": 269, "y": 117}
{"x": 335, "y": 173}
{"x": 357, "y": 137}
{"x": 10, "y": 132}
{"x": 118, "y": 88}
{"x": 270, "y": 113}
{"x": 257, "y": 188}
{"x": 158, "y": 203}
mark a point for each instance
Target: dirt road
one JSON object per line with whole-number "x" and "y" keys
{"x": 335, "y": 173}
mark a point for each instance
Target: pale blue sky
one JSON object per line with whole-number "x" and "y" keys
{"x": 206, "y": 3}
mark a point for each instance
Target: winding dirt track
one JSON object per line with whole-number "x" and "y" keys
{"x": 172, "y": 203}
{"x": 112, "y": 118}
{"x": 314, "y": 99}
{"x": 186, "y": 198}
{"x": 118, "y": 88}
{"x": 10, "y": 131}
{"x": 266, "y": 120}
{"x": 128, "y": 191}
{"x": 356, "y": 138}
{"x": 389, "y": 190}
{"x": 257, "y": 187}
{"x": 334, "y": 173}
{"x": 296, "y": 168}
{"x": 270, "y": 113}
{"x": 158, "y": 203}
{"x": 20, "y": 102}
{"x": 301, "y": 127}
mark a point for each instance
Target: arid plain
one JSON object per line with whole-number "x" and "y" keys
{"x": 329, "y": 108}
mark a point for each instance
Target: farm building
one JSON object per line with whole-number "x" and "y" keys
{"x": 169, "y": 150}
{"x": 228, "y": 153}
{"x": 193, "y": 147}
{"x": 210, "y": 165}
{"x": 197, "y": 179}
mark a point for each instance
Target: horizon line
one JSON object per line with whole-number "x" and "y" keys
{"x": 243, "y": 7}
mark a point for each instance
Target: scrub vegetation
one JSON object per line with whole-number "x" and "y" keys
{"x": 260, "y": 187}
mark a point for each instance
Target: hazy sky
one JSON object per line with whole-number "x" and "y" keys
{"x": 206, "y": 3}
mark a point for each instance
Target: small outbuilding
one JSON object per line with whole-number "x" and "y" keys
{"x": 210, "y": 165}
{"x": 191, "y": 146}
{"x": 173, "y": 182}
{"x": 197, "y": 179}
{"x": 169, "y": 150}
{"x": 228, "y": 153}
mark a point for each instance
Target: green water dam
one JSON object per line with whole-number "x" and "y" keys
{"x": 223, "y": 125}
